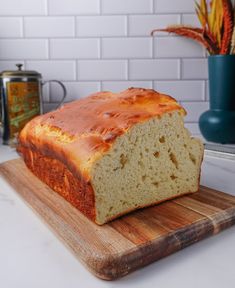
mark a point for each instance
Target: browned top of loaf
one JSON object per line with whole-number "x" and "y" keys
{"x": 81, "y": 131}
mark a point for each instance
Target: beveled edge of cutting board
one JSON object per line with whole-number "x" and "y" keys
{"x": 110, "y": 266}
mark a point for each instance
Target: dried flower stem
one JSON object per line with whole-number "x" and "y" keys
{"x": 176, "y": 27}
{"x": 232, "y": 50}
{"x": 197, "y": 34}
{"x": 228, "y": 27}
{"x": 211, "y": 41}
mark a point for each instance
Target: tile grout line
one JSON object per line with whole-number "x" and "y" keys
{"x": 23, "y": 36}
{"x": 47, "y": 7}
{"x": 100, "y": 48}
{"x": 100, "y": 7}
{"x": 127, "y": 25}
{"x": 153, "y": 48}
{"x": 181, "y": 18}
{"x": 103, "y": 59}
{"x": 180, "y": 68}
{"x": 95, "y": 14}
{"x": 205, "y": 91}
{"x": 75, "y": 27}
{"x": 98, "y": 35}
{"x": 128, "y": 69}
{"x": 23, "y": 27}
{"x": 153, "y": 7}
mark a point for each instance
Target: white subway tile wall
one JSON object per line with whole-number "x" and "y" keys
{"x": 141, "y": 25}
{"x": 174, "y": 6}
{"x": 119, "y": 48}
{"x": 14, "y": 27}
{"x": 194, "y": 110}
{"x": 102, "y": 70}
{"x": 126, "y": 6}
{"x": 72, "y": 7}
{"x": 39, "y": 27}
{"x": 101, "y": 26}
{"x": 194, "y": 69}
{"x": 117, "y": 86}
{"x": 75, "y": 48}
{"x": 182, "y": 90}
{"x": 94, "y": 45}
{"x": 154, "y": 69}
{"x": 190, "y": 19}
{"x": 23, "y": 7}
{"x": 172, "y": 47}
{"x": 53, "y": 69}
{"x": 23, "y": 48}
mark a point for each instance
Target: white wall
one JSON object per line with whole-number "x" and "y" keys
{"x": 94, "y": 45}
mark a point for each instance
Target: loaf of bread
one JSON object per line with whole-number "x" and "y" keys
{"x": 109, "y": 154}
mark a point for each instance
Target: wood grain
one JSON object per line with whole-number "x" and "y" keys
{"x": 132, "y": 241}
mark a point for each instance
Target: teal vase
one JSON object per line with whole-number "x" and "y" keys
{"x": 218, "y": 123}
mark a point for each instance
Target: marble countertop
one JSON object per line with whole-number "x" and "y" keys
{"x": 31, "y": 256}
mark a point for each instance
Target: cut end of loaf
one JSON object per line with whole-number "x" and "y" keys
{"x": 154, "y": 161}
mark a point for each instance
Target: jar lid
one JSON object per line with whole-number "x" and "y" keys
{"x": 19, "y": 73}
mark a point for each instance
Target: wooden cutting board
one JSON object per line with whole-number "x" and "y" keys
{"x": 133, "y": 241}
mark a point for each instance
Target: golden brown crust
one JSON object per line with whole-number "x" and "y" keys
{"x": 80, "y": 132}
